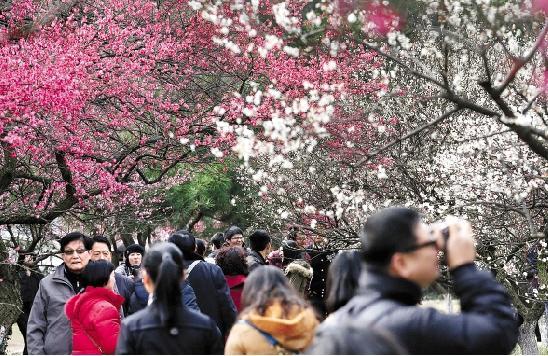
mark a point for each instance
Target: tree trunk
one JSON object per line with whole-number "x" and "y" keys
{"x": 127, "y": 239}
{"x": 10, "y": 297}
{"x": 195, "y": 220}
{"x": 527, "y": 340}
{"x": 142, "y": 237}
{"x": 115, "y": 258}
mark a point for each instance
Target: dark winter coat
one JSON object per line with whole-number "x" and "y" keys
{"x": 139, "y": 299}
{"x": 48, "y": 329}
{"x": 320, "y": 262}
{"x": 29, "y": 285}
{"x": 143, "y": 334}
{"x": 94, "y": 316}
{"x": 486, "y": 323}
{"x": 212, "y": 292}
{"x": 254, "y": 259}
{"x": 125, "y": 287}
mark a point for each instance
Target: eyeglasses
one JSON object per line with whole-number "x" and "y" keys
{"x": 431, "y": 243}
{"x": 71, "y": 252}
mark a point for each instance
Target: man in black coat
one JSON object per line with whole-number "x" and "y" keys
{"x": 124, "y": 286}
{"x": 208, "y": 282}
{"x": 260, "y": 246}
{"x": 29, "y": 281}
{"x": 401, "y": 258}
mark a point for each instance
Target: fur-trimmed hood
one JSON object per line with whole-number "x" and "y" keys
{"x": 301, "y": 268}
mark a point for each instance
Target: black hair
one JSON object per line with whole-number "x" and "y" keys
{"x": 218, "y": 239}
{"x": 232, "y": 261}
{"x": 103, "y": 240}
{"x": 259, "y": 240}
{"x": 97, "y": 273}
{"x": 343, "y": 279}
{"x": 387, "y": 232}
{"x": 266, "y": 284}
{"x": 291, "y": 252}
{"x": 200, "y": 247}
{"x": 231, "y": 231}
{"x": 184, "y": 240}
{"x": 163, "y": 262}
{"x": 74, "y": 236}
{"x": 355, "y": 340}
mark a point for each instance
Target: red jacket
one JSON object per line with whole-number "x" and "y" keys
{"x": 94, "y": 316}
{"x": 236, "y": 285}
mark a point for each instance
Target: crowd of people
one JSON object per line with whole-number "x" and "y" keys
{"x": 176, "y": 297}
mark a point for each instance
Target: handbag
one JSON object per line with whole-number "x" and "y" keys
{"x": 93, "y": 341}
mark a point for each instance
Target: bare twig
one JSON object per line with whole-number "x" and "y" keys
{"x": 408, "y": 135}
{"x": 404, "y": 66}
{"x": 520, "y": 62}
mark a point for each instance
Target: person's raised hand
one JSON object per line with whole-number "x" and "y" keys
{"x": 461, "y": 247}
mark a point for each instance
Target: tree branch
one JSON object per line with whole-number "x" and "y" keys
{"x": 408, "y": 135}
{"x": 520, "y": 62}
{"x": 404, "y": 66}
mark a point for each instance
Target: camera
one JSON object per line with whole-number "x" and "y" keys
{"x": 444, "y": 230}
{"x": 135, "y": 272}
{"x": 445, "y": 233}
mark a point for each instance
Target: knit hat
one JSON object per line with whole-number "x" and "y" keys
{"x": 135, "y": 248}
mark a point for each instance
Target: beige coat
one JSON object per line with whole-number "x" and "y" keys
{"x": 294, "y": 331}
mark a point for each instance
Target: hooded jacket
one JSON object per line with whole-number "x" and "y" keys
{"x": 94, "y": 316}
{"x": 293, "y": 332}
{"x": 299, "y": 274}
{"x": 48, "y": 329}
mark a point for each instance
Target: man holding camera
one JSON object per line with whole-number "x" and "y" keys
{"x": 401, "y": 258}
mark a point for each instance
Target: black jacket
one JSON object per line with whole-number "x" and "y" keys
{"x": 143, "y": 334}
{"x": 320, "y": 262}
{"x": 254, "y": 259}
{"x": 29, "y": 285}
{"x": 486, "y": 323}
{"x": 212, "y": 292}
